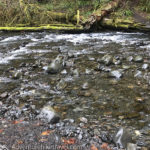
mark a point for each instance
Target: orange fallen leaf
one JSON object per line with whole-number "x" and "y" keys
{"x": 93, "y": 147}
{"x": 105, "y": 146}
{"x": 69, "y": 141}
{"x": 1, "y": 130}
{"x": 17, "y": 121}
{"x": 47, "y": 132}
{"x": 20, "y": 142}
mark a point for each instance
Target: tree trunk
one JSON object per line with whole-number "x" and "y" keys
{"x": 100, "y": 13}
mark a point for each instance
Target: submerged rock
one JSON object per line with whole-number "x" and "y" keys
{"x": 122, "y": 138}
{"x": 49, "y": 115}
{"x": 106, "y": 59}
{"x": 138, "y": 59}
{"x": 116, "y": 60}
{"x": 4, "y": 95}
{"x": 64, "y": 72}
{"x": 145, "y": 66}
{"x": 56, "y": 65}
{"x": 16, "y": 75}
{"x": 125, "y": 67}
{"x": 131, "y": 146}
{"x": 116, "y": 73}
{"x": 75, "y": 72}
{"x": 130, "y": 58}
{"x": 138, "y": 73}
{"x": 85, "y": 86}
{"x": 62, "y": 84}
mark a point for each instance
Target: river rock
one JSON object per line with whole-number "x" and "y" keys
{"x": 131, "y": 146}
{"x": 64, "y": 72}
{"x": 71, "y": 55}
{"x": 49, "y": 115}
{"x": 56, "y": 65}
{"x": 16, "y": 75}
{"x": 83, "y": 119}
{"x": 85, "y": 86}
{"x": 122, "y": 138}
{"x": 125, "y": 67}
{"x": 116, "y": 73}
{"x": 145, "y": 66}
{"x": 4, "y": 95}
{"x": 116, "y": 60}
{"x": 138, "y": 59}
{"x": 88, "y": 71}
{"x": 106, "y": 59}
{"x": 75, "y": 72}
{"x": 130, "y": 58}
{"x": 138, "y": 73}
{"x": 103, "y": 68}
{"x": 62, "y": 84}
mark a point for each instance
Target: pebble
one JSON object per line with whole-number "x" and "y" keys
{"x": 85, "y": 86}
{"x": 83, "y": 119}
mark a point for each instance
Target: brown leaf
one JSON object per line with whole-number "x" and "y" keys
{"x": 17, "y": 121}
{"x": 20, "y": 142}
{"x": 93, "y": 147}
{"x": 105, "y": 146}
{"x": 1, "y": 130}
{"x": 69, "y": 141}
{"x": 48, "y": 132}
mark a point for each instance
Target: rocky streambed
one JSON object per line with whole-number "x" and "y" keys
{"x": 75, "y": 91}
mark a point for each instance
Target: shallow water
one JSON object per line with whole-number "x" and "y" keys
{"x": 112, "y": 102}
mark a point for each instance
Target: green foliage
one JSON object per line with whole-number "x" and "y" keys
{"x": 128, "y": 12}
{"x": 145, "y": 5}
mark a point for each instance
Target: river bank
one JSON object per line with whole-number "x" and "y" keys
{"x": 105, "y": 15}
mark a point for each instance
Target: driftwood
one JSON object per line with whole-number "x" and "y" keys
{"x": 100, "y": 13}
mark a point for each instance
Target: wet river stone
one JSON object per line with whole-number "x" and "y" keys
{"x": 49, "y": 115}
{"x": 122, "y": 138}
{"x": 116, "y": 73}
{"x": 85, "y": 86}
{"x": 62, "y": 84}
{"x": 138, "y": 59}
{"x": 131, "y": 146}
{"x": 145, "y": 66}
{"x": 106, "y": 59}
{"x": 116, "y": 60}
{"x": 56, "y": 65}
{"x": 16, "y": 74}
{"x": 130, "y": 58}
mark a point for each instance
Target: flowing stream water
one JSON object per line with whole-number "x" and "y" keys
{"x": 82, "y": 89}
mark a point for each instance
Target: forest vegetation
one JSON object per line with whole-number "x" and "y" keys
{"x": 40, "y": 12}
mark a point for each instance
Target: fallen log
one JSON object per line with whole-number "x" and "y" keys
{"x": 123, "y": 24}
{"x": 43, "y": 27}
{"x": 100, "y": 13}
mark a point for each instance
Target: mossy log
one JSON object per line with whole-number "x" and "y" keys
{"x": 43, "y": 27}
{"x": 100, "y": 13}
{"x": 123, "y": 24}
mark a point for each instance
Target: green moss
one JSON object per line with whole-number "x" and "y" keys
{"x": 48, "y": 27}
